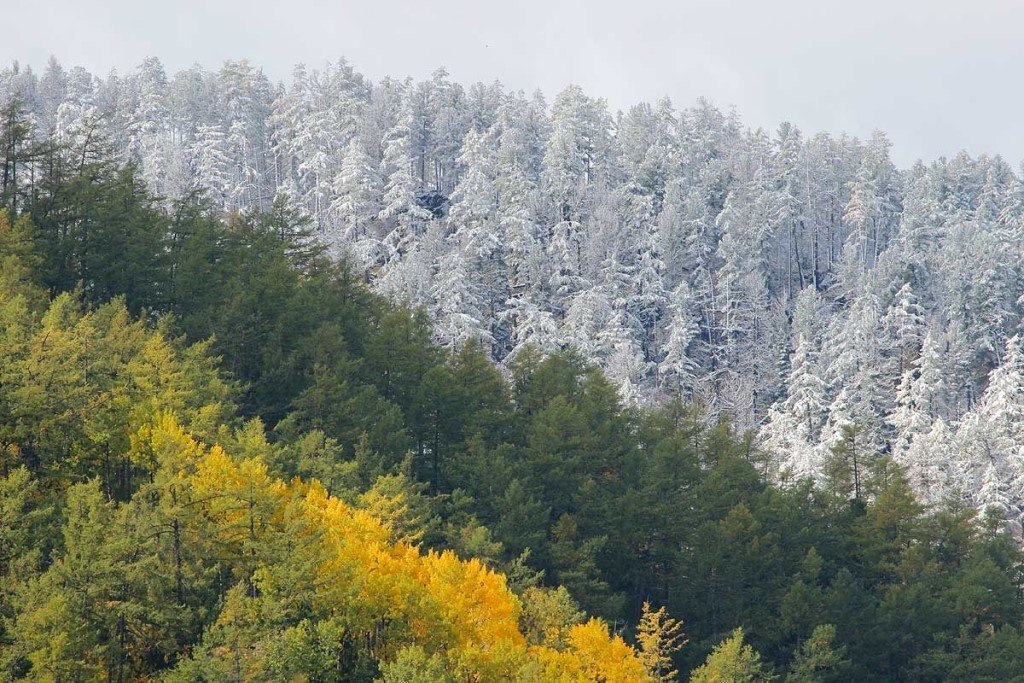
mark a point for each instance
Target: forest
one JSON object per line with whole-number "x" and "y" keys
{"x": 403, "y": 382}
{"x": 798, "y": 284}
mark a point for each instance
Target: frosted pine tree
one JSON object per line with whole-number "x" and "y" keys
{"x": 573, "y": 161}
{"x": 793, "y": 429}
{"x": 311, "y": 129}
{"x": 245, "y": 182}
{"x": 742, "y": 299}
{"x": 402, "y": 215}
{"x": 621, "y": 341}
{"x": 920, "y": 230}
{"x": 932, "y": 468}
{"x": 526, "y": 314}
{"x": 532, "y": 326}
{"x": 149, "y": 116}
{"x": 356, "y": 204}
{"x": 677, "y": 371}
{"x": 476, "y": 251}
{"x": 1002, "y": 404}
{"x": 992, "y": 500}
{"x": 686, "y": 228}
{"x": 285, "y": 124}
{"x": 858, "y": 377}
{"x": 475, "y": 201}
{"x": 212, "y": 164}
{"x": 871, "y": 211}
{"x": 78, "y": 129}
{"x": 515, "y": 194}
{"x": 646, "y": 139}
{"x": 411, "y": 275}
{"x": 566, "y": 253}
{"x": 807, "y": 399}
{"x": 646, "y": 300}
{"x": 413, "y": 248}
{"x": 589, "y": 314}
{"x": 53, "y": 92}
{"x": 905, "y": 321}
{"x": 920, "y": 396}
{"x": 244, "y": 108}
{"x": 152, "y": 143}
{"x": 627, "y": 368}
{"x": 993, "y": 433}
{"x": 460, "y": 316}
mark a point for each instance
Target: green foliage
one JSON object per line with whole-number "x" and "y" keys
{"x": 413, "y": 665}
{"x": 547, "y": 615}
{"x": 108, "y": 606}
{"x": 732, "y": 662}
{"x": 817, "y": 661}
{"x": 78, "y": 382}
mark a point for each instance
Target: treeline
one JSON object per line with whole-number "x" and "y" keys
{"x": 172, "y": 379}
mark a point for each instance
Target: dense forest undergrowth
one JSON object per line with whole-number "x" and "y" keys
{"x": 225, "y": 457}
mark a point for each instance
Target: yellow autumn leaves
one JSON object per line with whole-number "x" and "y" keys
{"x": 389, "y": 592}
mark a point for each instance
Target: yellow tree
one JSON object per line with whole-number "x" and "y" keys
{"x": 659, "y": 636}
{"x": 313, "y": 572}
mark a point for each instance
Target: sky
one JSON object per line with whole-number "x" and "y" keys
{"x": 938, "y": 76}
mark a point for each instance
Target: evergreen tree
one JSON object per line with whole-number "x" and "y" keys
{"x": 356, "y": 204}
{"x": 732, "y": 662}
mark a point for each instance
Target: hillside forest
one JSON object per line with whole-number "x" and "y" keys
{"x": 406, "y": 381}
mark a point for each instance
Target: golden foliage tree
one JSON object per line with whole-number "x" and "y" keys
{"x": 659, "y": 636}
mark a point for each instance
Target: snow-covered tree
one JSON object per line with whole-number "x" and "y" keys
{"x": 993, "y": 433}
{"x": 212, "y": 164}
{"x": 356, "y": 204}
{"x": 677, "y": 371}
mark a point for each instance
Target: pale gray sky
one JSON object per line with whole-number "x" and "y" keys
{"x": 937, "y": 75}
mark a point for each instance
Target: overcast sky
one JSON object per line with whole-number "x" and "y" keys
{"x": 937, "y": 75}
